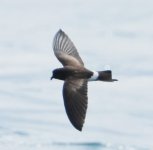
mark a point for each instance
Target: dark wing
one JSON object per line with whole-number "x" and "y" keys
{"x": 75, "y": 101}
{"x": 65, "y": 50}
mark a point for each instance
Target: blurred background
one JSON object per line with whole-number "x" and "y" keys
{"x": 105, "y": 32}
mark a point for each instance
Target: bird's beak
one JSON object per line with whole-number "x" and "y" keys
{"x": 51, "y": 77}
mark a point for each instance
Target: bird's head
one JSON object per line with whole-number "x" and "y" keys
{"x": 58, "y": 74}
{"x": 53, "y": 75}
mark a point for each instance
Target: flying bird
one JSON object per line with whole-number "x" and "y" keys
{"x": 75, "y": 77}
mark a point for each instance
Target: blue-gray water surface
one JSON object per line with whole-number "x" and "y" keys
{"x": 108, "y": 32}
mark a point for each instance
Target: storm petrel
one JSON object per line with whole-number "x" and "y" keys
{"x": 75, "y": 77}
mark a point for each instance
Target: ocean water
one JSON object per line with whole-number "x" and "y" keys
{"x": 107, "y": 32}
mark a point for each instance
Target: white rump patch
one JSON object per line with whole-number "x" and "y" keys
{"x": 94, "y": 77}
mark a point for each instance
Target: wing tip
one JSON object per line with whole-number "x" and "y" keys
{"x": 79, "y": 128}
{"x": 60, "y": 31}
{"x": 76, "y": 124}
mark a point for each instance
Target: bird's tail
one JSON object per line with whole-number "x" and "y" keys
{"x": 106, "y": 76}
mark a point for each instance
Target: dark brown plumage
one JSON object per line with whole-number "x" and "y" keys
{"x": 75, "y": 77}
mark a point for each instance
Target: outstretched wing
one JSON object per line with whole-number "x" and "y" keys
{"x": 75, "y": 101}
{"x": 65, "y": 50}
